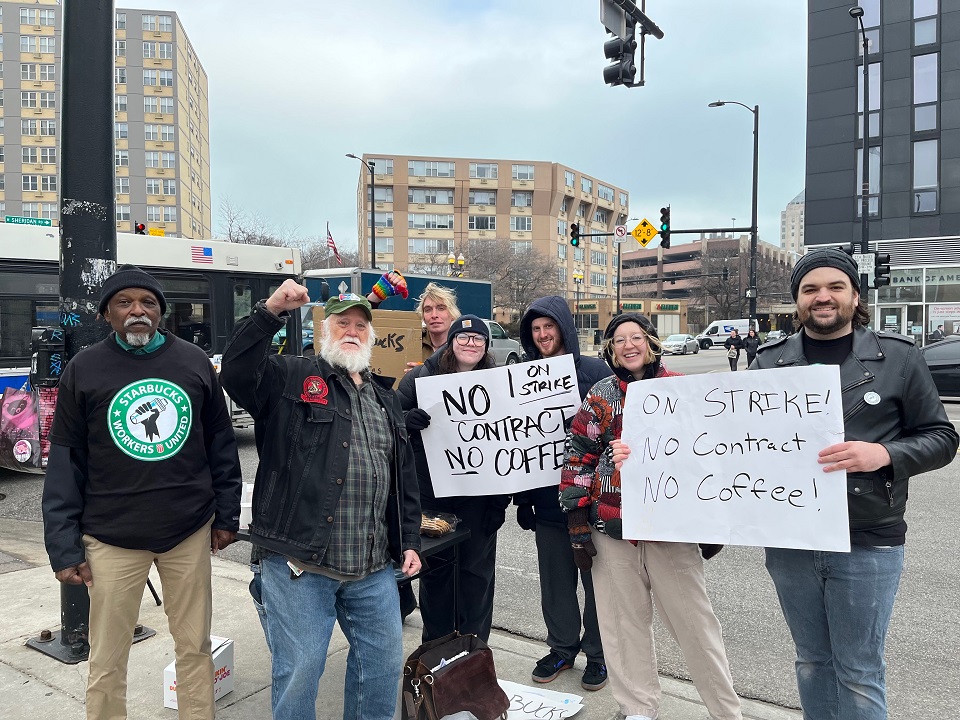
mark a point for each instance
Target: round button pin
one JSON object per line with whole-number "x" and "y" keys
{"x": 871, "y": 398}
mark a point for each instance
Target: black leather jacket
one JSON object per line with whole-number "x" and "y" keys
{"x": 302, "y": 445}
{"x": 907, "y": 418}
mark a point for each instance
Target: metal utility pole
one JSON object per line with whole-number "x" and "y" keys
{"x": 857, "y": 12}
{"x": 370, "y": 165}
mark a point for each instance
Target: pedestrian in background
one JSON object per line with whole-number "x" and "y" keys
{"x": 838, "y": 605}
{"x": 547, "y": 330}
{"x": 733, "y": 346}
{"x": 750, "y": 344}
{"x": 629, "y": 574}
{"x": 467, "y": 349}
{"x": 143, "y": 471}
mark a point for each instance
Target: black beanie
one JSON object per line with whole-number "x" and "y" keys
{"x": 471, "y": 324}
{"x": 828, "y": 257}
{"x": 130, "y": 276}
{"x": 649, "y": 330}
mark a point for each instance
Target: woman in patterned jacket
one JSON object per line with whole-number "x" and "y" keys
{"x": 628, "y": 574}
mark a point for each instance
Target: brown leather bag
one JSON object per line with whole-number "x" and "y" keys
{"x": 449, "y": 675}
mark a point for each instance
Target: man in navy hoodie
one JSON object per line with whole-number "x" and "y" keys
{"x": 547, "y": 330}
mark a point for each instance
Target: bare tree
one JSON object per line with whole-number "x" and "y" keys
{"x": 245, "y": 228}
{"x": 726, "y": 277}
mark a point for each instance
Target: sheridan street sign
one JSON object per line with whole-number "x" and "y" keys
{"x": 14, "y": 220}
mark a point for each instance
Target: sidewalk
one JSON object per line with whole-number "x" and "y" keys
{"x": 36, "y": 687}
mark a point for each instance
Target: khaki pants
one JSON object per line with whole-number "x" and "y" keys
{"x": 119, "y": 578}
{"x": 624, "y": 576}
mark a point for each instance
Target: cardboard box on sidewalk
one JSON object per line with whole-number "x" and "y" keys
{"x": 222, "y": 649}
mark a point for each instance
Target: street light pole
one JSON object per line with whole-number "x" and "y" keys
{"x": 857, "y": 12}
{"x": 373, "y": 230}
{"x": 754, "y": 229}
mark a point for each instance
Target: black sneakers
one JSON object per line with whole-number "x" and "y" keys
{"x": 594, "y": 677}
{"x": 550, "y": 666}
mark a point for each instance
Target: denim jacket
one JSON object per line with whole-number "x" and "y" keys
{"x": 303, "y": 418}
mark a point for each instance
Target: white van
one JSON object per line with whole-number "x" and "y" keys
{"x": 506, "y": 350}
{"x": 719, "y": 330}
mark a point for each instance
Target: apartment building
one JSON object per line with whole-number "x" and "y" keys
{"x": 428, "y": 207}
{"x": 161, "y": 130}
{"x": 912, "y": 144}
{"x": 791, "y": 225}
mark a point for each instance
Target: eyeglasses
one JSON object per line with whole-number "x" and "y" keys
{"x": 469, "y": 339}
{"x": 637, "y": 339}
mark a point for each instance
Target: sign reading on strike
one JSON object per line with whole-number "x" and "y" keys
{"x": 500, "y": 430}
{"x": 732, "y": 459}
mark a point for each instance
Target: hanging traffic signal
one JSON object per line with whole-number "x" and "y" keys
{"x": 140, "y": 229}
{"x": 881, "y": 270}
{"x": 622, "y": 51}
{"x": 575, "y": 235}
{"x": 665, "y": 227}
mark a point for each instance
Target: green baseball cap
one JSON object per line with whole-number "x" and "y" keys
{"x": 341, "y": 303}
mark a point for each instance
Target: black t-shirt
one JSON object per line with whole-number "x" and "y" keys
{"x": 834, "y": 352}
{"x": 144, "y": 420}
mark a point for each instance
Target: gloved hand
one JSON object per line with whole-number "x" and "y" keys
{"x": 583, "y": 554}
{"x": 526, "y": 518}
{"x": 494, "y": 518}
{"x": 417, "y": 419}
{"x": 391, "y": 283}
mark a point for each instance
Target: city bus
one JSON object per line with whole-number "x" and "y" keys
{"x": 208, "y": 285}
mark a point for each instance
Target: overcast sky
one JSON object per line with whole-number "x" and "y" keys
{"x": 295, "y": 86}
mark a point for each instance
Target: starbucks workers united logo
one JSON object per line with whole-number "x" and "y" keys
{"x": 150, "y": 419}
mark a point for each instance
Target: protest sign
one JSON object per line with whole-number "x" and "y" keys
{"x": 499, "y": 430}
{"x": 732, "y": 458}
{"x": 528, "y": 703}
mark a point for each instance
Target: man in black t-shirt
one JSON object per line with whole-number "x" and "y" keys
{"x": 838, "y": 605}
{"x": 143, "y": 470}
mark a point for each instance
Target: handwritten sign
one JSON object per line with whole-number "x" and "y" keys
{"x": 500, "y": 430}
{"x": 732, "y": 458}
{"x": 528, "y": 703}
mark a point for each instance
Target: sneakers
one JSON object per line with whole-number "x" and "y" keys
{"x": 594, "y": 677}
{"x": 549, "y": 667}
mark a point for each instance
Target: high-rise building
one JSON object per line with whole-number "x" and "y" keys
{"x": 429, "y": 207}
{"x": 913, "y": 151}
{"x": 161, "y": 131}
{"x": 791, "y": 226}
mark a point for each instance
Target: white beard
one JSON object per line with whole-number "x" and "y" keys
{"x": 353, "y": 361}
{"x": 136, "y": 339}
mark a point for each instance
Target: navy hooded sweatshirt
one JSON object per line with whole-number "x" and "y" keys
{"x": 589, "y": 372}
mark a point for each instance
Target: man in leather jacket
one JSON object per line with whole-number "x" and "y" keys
{"x": 335, "y": 499}
{"x": 838, "y": 605}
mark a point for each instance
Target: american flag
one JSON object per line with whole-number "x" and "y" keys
{"x": 333, "y": 246}
{"x": 200, "y": 254}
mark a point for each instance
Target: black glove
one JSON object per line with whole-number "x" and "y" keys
{"x": 708, "y": 550}
{"x": 583, "y": 554}
{"x": 417, "y": 419}
{"x": 526, "y": 519}
{"x": 493, "y": 519}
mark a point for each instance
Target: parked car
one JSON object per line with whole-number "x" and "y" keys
{"x": 505, "y": 350}
{"x": 681, "y": 344}
{"x": 943, "y": 359}
{"x": 774, "y": 335}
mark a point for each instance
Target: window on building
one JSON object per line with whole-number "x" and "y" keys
{"x": 598, "y": 279}
{"x": 586, "y": 185}
{"x": 871, "y": 24}
{"x": 149, "y": 77}
{"x": 149, "y": 50}
{"x": 28, "y": 16}
{"x": 28, "y": 44}
{"x": 166, "y": 105}
{"x": 521, "y": 198}
{"x": 48, "y": 73}
{"x": 565, "y": 205}
{"x": 154, "y": 213}
{"x": 166, "y": 78}
{"x": 424, "y": 221}
{"x": 28, "y": 127}
{"x": 152, "y": 159}
{"x": 383, "y": 194}
{"x": 598, "y": 258}
{"x": 925, "y": 91}
{"x": 483, "y": 170}
{"x": 522, "y": 172}
{"x": 28, "y": 99}
{"x": 47, "y": 44}
{"x": 169, "y": 214}
{"x": 121, "y": 23}
{"x": 483, "y": 197}
{"x": 48, "y": 18}
{"x": 604, "y": 192}
{"x": 601, "y": 216}
{"x": 121, "y": 185}
{"x": 873, "y": 196}
{"x": 121, "y": 158}
{"x": 30, "y": 210}
{"x": 151, "y": 105}
{"x": 31, "y": 183}
{"x": 562, "y": 275}
{"x": 149, "y": 23}
{"x": 165, "y": 51}
{"x": 431, "y": 168}
{"x": 578, "y": 255}
{"x": 926, "y": 176}
{"x": 167, "y": 133}
{"x": 120, "y": 103}
{"x": 429, "y": 196}
{"x": 521, "y": 223}
{"x": 874, "y": 72}
{"x": 623, "y": 198}
{"x": 482, "y": 222}
{"x": 168, "y": 159}
{"x": 522, "y": 246}
{"x": 582, "y": 209}
{"x": 48, "y": 127}
{"x": 153, "y": 186}
{"x": 120, "y": 131}
{"x": 28, "y": 71}
{"x": 562, "y": 248}
{"x": 29, "y": 156}
{"x": 429, "y": 246}
{"x": 169, "y": 187}
{"x": 925, "y": 21}
{"x": 382, "y": 220}
{"x": 569, "y": 179}
{"x": 120, "y": 75}
{"x": 562, "y": 228}
{"x": 151, "y": 132}
{"x": 382, "y": 166}
{"x": 123, "y": 213}
{"x": 384, "y": 245}
{"x": 166, "y": 23}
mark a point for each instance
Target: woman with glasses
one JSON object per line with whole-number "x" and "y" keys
{"x": 630, "y": 574}
{"x": 466, "y": 349}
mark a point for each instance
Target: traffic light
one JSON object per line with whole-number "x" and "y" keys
{"x": 575, "y": 235}
{"x": 140, "y": 229}
{"x": 726, "y": 274}
{"x": 622, "y": 51}
{"x": 665, "y": 227}
{"x": 881, "y": 270}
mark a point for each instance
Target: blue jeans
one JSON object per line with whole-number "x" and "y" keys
{"x": 838, "y": 607}
{"x": 300, "y": 614}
